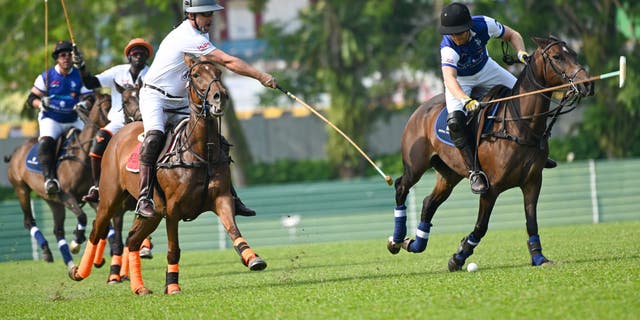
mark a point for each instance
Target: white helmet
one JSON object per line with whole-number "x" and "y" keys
{"x": 198, "y": 6}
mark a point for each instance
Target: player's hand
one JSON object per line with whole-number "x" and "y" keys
{"x": 82, "y": 105}
{"x": 523, "y": 56}
{"x": 271, "y": 81}
{"x": 45, "y": 102}
{"x": 78, "y": 61}
{"x": 471, "y": 104}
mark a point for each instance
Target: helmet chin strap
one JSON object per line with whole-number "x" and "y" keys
{"x": 195, "y": 22}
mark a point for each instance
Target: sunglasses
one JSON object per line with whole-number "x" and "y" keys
{"x": 206, "y": 14}
{"x": 64, "y": 54}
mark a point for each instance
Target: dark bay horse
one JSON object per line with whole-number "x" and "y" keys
{"x": 74, "y": 175}
{"x": 512, "y": 152}
{"x": 195, "y": 178}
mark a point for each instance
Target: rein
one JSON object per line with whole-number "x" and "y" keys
{"x": 569, "y": 100}
{"x": 201, "y": 111}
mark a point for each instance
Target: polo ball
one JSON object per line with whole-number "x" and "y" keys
{"x": 472, "y": 267}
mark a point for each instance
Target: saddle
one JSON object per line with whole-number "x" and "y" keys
{"x": 480, "y": 121}
{"x": 32, "y": 161}
{"x": 172, "y": 147}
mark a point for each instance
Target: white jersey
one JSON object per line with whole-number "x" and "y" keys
{"x": 121, "y": 75}
{"x": 168, "y": 70}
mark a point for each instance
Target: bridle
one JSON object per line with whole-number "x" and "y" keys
{"x": 204, "y": 106}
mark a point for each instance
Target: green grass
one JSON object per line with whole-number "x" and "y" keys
{"x": 597, "y": 276}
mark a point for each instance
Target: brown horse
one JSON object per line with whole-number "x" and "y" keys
{"x": 194, "y": 178}
{"x": 513, "y": 151}
{"x": 130, "y": 105}
{"x": 74, "y": 174}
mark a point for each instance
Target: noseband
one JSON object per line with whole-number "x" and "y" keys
{"x": 204, "y": 106}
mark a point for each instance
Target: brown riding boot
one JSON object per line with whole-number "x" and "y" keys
{"x": 550, "y": 164}
{"x": 241, "y": 209}
{"x": 146, "y": 207}
{"x": 93, "y": 195}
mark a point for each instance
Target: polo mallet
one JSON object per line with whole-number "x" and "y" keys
{"x": 386, "y": 177}
{"x": 66, "y": 17}
{"x": 621, "y": 73}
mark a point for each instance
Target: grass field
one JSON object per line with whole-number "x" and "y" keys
{"x": 597, "y": 276}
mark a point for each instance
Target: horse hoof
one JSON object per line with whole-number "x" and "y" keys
{"x": 145, "y": 253}
{"x": 173, "y": 288}
{"x": 124, "y": 278}
{"x": 453, "y": 264}
{"x": 142, "y": 291}
{"x": 407, "y": 243}
{"x": 73, "y": 274}
{"x": 114, "y": 279}
{"x": 393, "y": 247}
{"x": 257, "y": 264}
{"x": 74, "y": 247}
{"x": 46, "y": 254}
{"x": 99, "y": 264}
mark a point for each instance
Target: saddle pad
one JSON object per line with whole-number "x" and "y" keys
{"x": 442, "y": 130}
{"x": 133, "y": 163}
{"x": 32, "y": 162}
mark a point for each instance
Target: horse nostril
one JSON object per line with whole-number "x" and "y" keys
{"x": 217, "y": 97}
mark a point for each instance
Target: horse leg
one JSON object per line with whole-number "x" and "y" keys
{"x": 468, "y": 243}
{"x": 142, "y": 227}
{"x": 116, "y": 249}
{"x": 173, "y": 258}
{"x": 413, "y": 171}
{"x": 445, "y": 182}
{"x": 23, "y": 192}
{"x": 98, "y": 232}
{"x": 79, "y": 232}
{"x": 531, "y": 193}
{"x": 59, "y": 212}
{"x": 249, "y": 258}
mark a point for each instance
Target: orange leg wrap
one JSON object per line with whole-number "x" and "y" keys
{"x": 173, "y": 268}
{"x": 86, "y": 264}
{"x": 116, "y": 260}
{"x": 243, "y": 249}
{"x": 135, "y": 272}
{"x": 99, "y": 256}
{"x": 124, "y": 270}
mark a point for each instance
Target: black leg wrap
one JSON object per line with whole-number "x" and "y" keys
{"x": 465, "y": 250}
{"x": 115, "y": 269}
{"x": 172, "y": 278}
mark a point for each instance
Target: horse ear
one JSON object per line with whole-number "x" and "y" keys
{"x": 190, "y": 59}
{"x": 119, "y": 88}
{"x": 541, "y": 42}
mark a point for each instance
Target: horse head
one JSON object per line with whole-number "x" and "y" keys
{"x": 95, "y": 113}
{"x": 130, "y": 101}
{"x": 206, "y": 94}
{"x": 555, "y": 64}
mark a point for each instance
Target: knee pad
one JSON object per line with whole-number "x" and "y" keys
{"x": 151, "y": 147}
{"x": 100, "y": 143}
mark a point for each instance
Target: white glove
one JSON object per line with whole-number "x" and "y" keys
{"x": 82, "y": 105}
{"x": 45, "y": 102}
{"x": 78, "y": 61}
{"x": 523, "y": 56}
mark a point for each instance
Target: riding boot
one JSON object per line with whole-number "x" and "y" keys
{"x": 458, "y": 133}
{"x": 93, "y": 194}
{"x": 146, "y": 207}
{"x": 46, "y": 154}
{"x": 241, "y": 209}
{"x": 149, "y": 152}
{"x": 550, "y": 164}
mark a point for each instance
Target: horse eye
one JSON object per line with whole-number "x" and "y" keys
{"x": 195, "y": 75}
{"x": 557, "y": 57}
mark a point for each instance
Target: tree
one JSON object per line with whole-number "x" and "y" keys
{"x": 338, "y": 46}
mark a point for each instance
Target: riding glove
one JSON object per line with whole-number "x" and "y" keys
{"x": 44, "y": 103}
{"x": 470, "y": 104}
{"x": 82, "y": 105}
{"x": 523, "y": 56}
{"x": 78, "y": 62}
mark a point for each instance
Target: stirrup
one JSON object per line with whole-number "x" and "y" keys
{"x": 93, "y": 195}
{"x": 480, "y": 175}
{"x": 150, "y": 202}
{"x": 50, "y": 189}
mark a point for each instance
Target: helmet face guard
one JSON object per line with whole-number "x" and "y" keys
{"x": 62, "y": 46}
{"x": 455, "y": 18}
{"x": 199, "y": 6}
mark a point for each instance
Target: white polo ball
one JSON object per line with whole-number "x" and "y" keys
{"x": 472, "y": 267}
